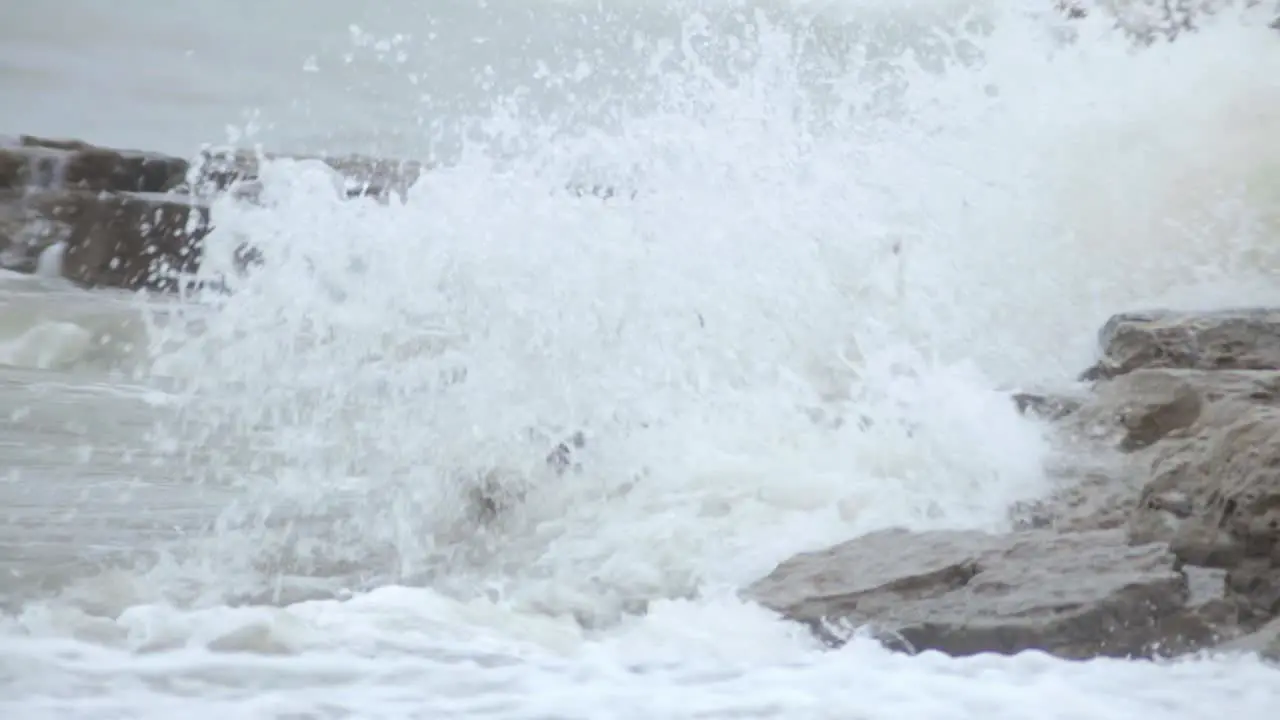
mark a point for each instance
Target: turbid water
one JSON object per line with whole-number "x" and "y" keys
{"x": 267, "y": 504}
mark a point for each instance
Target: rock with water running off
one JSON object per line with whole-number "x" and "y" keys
{"x": 1073, "y": 595}
{"x": 136, "y": 220}
{"x": 123, "y": 239}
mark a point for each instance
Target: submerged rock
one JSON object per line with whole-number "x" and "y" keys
{"x": 1076, "y": 595}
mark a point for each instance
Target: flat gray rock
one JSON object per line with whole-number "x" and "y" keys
{"x": 1076, "y": 595}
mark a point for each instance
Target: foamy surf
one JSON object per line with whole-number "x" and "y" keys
{"x": 851, "y": 225}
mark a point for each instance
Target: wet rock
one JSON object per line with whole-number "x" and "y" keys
{"x": 1236, "y": 339}
{"x": 32, "y": 222}
{"x": 68, "y": 144}
{"x": 1265, "y": 642}
{"x": 1212, "y": 490}
{"x": 220, "y": 170}
{"x": 122, "y": 240}
{"x": 1045, "y": 406}
{"x": 1085, "y": 499}
{"x": 1255, "y": 583}
{"x": 136, "y": 241}
{"x": 1075, "y": 595}
{"x": 1142, "y": 408}
{"x": 1225, "y": 478}
{"x": 55, "y": 164}
{"x": 1137, "y": 410}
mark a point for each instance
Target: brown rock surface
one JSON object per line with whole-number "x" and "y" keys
{"x": 39, "y": 162}
{"x": 1237, "y": 339}
{"x": 1216, "y": 499}
{"x": 1195, "y": 397}
{"x": 123, "y": 240}
{"x": 137, "y": 240}
{"x": 1075, "y": 595}
{"x": 1140, "y": 409}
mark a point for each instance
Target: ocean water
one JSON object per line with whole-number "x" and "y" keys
{"x": 844, "y": 230}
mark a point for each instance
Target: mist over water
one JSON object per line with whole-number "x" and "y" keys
{"x": 842, "y": 232}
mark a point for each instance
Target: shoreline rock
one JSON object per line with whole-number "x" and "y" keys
{"x": 134, "y": 220}
{"x": 1182, "y": 556}
{"x": 1076, "y": 595}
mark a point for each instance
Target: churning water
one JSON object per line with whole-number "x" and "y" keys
{"x": 505, "y": 451}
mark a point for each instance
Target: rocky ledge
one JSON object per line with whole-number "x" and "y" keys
{"x": 135, "y": 220}
{"x": 1183, "y": 555}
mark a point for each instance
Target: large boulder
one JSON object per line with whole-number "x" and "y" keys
{"x": 1074, "y": 595}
